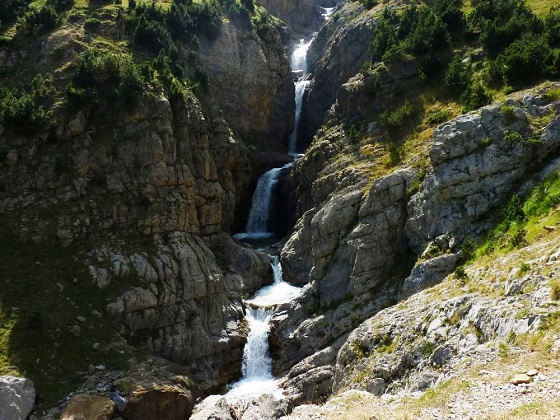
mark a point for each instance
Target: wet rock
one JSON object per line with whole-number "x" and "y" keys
{"x": 17, "y": 397}
{"x": 88, "y": 407}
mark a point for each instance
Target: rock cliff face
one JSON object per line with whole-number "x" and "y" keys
{"x": 423, "y": 340}
{"x": 165, "y": 170}
{"x": 353, "y": 246}
{"x": 336, "y": 55}
{"x": 250, "y": 79}
{"x": 477, "y": 161}
{"x": 302, "y": 16}
{"x": 155, "y": 191}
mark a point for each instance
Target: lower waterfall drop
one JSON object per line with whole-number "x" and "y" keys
{"x": 257, "y": 365}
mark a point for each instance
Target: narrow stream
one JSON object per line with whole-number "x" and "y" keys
{"x": 257, "y": 365}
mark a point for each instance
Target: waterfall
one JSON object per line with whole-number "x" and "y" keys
{"x": 298, "y": 60}
{"x": 300, "y": 91}
{"x": 258, "y": 223}
{"x": 299, "y": 63}
{"x": 256, "y": 360}
{"x": 278, "y": 292}
{"x": 257, "y": 364}
{"x": 327, "y": 12}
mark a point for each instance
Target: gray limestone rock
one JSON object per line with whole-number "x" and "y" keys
{"x": 428, "y": 273}
{"x": 17, "y": 398}
{"x": 475, "y": 168}
{"x": 265, "y": 407}
{"x": 251, "y": 80}
{"x": 337, "y": 52}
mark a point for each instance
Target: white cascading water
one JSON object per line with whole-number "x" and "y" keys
{"x": 299, "y": 63}
{"x": 327, "y": 12}
{"x": 258, "y": 223}
{"x": 257, "y": 364}
{"x": 301, "y": 85}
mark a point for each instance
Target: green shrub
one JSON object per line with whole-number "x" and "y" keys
{"x": 11, "y": 9}
{"x": 514, "y": 212}
{"x": 451, "y": 14}
{"x": 106, "y": 76}
{"x": 385, "y": 34}
{"x": 486, "y": 141}
{"x": 458, "y": 75}
{"x": 438, "y": 117}
{"x": 460, "y": 274}
{"x": 552, "y": 26}
{"x": 369, "y": 4}
{"x": 553, "y": 94}
{"x": 475, "y": 96}
{"x": 152, "y": 35}
{"x": 519, "y": 238}
{"x": 468, "y": 247}
{"x": 427, "y": 348}
{"x": 508, "y": 114}
{"x": 92, "y": 24}
{"x": 45, "y": 18}
{"x": 501, "y": 22}
{"x": 21, "y": 111}
{"x": 525, "y": 60}
{"x": 24, "y": 109}
{"x": 554, "y": 289}
{"x": 60, "y": 5}
{"x": 418, "y": 31}
{"x": 513, "y": 136}
{"x": 524, "y": 267}
{"x": 396, "y": 119}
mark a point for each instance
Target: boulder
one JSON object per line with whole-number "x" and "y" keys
{"x": 17, "y": 398}
{"x": 214, "y": 407}
{"x": 88, "y": 407}
{"x": 428, "y": 273}
{"x": 170, "y": 402}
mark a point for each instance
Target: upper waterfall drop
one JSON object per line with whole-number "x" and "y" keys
{"x": 299, "y": 63}
{"x": 298, "y": 59}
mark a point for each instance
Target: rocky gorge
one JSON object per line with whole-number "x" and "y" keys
{"x": 124, "y": 217}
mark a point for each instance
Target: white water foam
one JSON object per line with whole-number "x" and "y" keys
{"x": 257, "y": 364}
{"x": 298, "y": 60}
{"x": 301, "y": 85}
{"x": 276, "y": 293}
{"x": 327, "y": 12}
